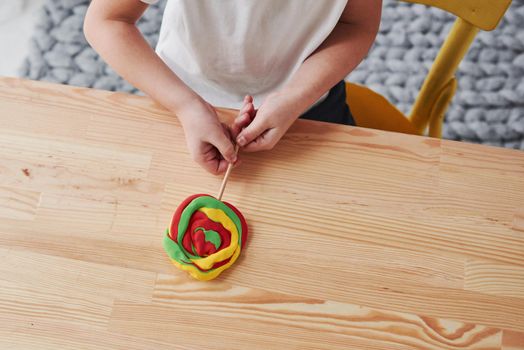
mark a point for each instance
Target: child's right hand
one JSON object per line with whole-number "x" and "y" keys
{"x": 208, "y": 140}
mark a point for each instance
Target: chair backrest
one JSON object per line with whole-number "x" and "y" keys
{"x": 472, "y": 15}
{"x": 483, "y": 14}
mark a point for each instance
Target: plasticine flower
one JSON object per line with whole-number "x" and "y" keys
{"x": 205, "y": 236}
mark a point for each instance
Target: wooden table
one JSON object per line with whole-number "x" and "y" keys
{"x": 360, "y": 239}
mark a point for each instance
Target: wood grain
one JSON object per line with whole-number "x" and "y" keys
{"x": 18, "y": 204}
{"x": 493, "y": 278}
{"x": 65, "y": 289}
{"x": 512, "y": 340}
{"x": 360, "y": 239}
{"x": 270, "y": 320}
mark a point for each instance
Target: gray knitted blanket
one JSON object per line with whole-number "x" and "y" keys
{"x": 488, "y": 107}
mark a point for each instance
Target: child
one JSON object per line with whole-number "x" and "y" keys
{"x": 290, "y": 55}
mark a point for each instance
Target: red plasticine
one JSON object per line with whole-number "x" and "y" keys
{"x": 173, "y": 229}
{"x": 216, "y": 226}
{"x": 202, "y": 248}
{"x": 199, "y": 219}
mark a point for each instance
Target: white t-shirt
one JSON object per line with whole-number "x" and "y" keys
{"x": 225, "y": 49}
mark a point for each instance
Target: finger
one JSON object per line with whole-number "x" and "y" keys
{"x": 242, "y": 119}
{"x": 247, "y": 105}
{"x": 216, "y": 166}
{"x": 228, "y": 132}
{"x": 248, "y": 108}
{"x": 224, "y": 145}
{"x": 245, "y": 101}
{"x": 240, "y": 123}
{"x": 211, "y": 165}
{"x": 236, "y": 127}
{"x": 251, "y": 132}
{"x": 208, "y": 158}
{"x": 213, "y": 162}
{"x": 264, "y": 142}
{"x": 245, "y": 108}
{"x": 221, "y": 166}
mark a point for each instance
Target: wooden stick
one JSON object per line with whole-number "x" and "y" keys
{"x": 230, "y": 166}
{"x": 226, "y": 177}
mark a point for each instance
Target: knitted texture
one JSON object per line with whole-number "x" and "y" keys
{"x": 59, "y": 52}
{"x": 488, "y": 107}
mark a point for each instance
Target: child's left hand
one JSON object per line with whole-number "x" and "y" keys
{"x": 274, "y": 117}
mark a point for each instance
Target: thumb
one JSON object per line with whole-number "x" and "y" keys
{"x": 251, "y": 132}
{"x": 224, "y": 146}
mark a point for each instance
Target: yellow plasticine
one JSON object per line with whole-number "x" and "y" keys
{"x": 219, "y": 216}
{"x": 206, "y": 276}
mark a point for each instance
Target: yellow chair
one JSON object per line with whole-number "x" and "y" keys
{"x": 372, "y": 110}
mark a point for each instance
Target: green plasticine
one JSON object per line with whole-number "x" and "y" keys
{"x": 173, "y": 250}
{"x": 211, "y": 236}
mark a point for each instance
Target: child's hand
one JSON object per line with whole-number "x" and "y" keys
{"x": 273, "y": 118}
{"x": 245, "y": 117}
{"x": 209, "y": 142}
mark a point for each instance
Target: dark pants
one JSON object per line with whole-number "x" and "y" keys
{"x": 333, "y": 109}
